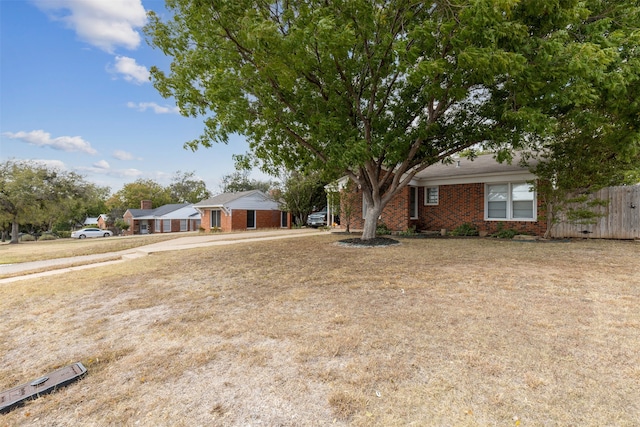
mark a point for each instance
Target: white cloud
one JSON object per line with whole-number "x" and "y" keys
{"x": 51, "y": 164}
{"x": 102, "y": 164}
{"x": 130, "y": 70}
{"x": 41, "y": 138}
{"x": 123, "y": 155}
{"x": 158, "y": 109}
{"x": 103, "y": 168}
{"x": 106, "y": 24}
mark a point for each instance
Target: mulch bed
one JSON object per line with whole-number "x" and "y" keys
{"x": 378, "y": 241}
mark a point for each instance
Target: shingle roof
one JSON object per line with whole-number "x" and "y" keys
{"x": 485, "y": 164}
{"x": 224, "y": 198}
{"x": 159, "y": 211}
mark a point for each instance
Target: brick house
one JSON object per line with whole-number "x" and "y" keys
{"x": 481, "y": 192}
{"x": 101, "y": 221}
{"x": 244, "y": 210}
{"x": 164, "y": 219}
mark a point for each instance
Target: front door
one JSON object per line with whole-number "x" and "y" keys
{"x": 144, "y": 227}
{"x": 251, "y": 219}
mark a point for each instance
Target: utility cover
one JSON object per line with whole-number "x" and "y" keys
{"x": 43, "y": 385}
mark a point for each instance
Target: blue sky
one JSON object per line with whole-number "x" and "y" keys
{"x": 75, "y": 94}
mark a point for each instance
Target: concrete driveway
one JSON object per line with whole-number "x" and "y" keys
{"x": 62, "y": 265}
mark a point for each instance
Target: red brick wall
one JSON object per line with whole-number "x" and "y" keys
{"x": 128, "y": 218}
{"x": 395, "y": 215}
{"x": 238, "y": 220}
{"x": 458, "y": 204}
{"x": 464, "y": 203}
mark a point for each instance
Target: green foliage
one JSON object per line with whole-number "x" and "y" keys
{"x": 301, "y": 194}
{"x": 121, "y": 224}
{"x": 409, "y": 232}
{"x": 63, "y": 234}
{"x": 239, "y": 181}
{"x": 349, "y": 199}
{"x": 186, "y": 188}
{"x": 365, "y": 88}
{"x": 130, "y": 196}
{"x": 27, "y": 238}
{"x": 38, "y": 197}
{"x": 466, "y": 229}
{"x": 382, "y": 229}
{"x": 48, "y": 237}
{"x": 505, "y": 233}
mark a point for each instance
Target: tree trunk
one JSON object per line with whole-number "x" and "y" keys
{"x": 550, "y": 220}
{"x": 371, "y": 222}
{"x": 14, "y": 232}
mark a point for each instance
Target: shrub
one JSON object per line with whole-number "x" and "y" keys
{"x": 27, "y": 238}
{"x": 382, "y": 229}
{"x": 466, "y": 229}
{"x": 504, "y": 233}
{"x": 48, "y": 236}
{"x": 507, "y": 233}
{"x": 411, "y": 231}
{"x": 63, "y": 234}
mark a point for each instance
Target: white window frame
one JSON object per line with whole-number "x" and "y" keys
{"x": 413, "y": 192}
{"x": 183, "y": 225}
{"x": 426, "y": 195}
{"x": 509, "y": 214}
{"x": 164, "y": 227}
{"x": 157, "y": 226}
{"x": 215, "y": 213}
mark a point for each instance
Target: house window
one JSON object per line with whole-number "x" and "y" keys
{"x": 156, "y": 226}
{"x": 216, "y": 219}
{"x": 510, "y": 201}
{"x": 183, "y": 225}
{"x": 284, "y": 219}
{"x": 166, "y": 226}
{"x": 251, "y": 219}
{"x": 413, "y": 202}
{"x": 197, "y": 224}
{"x": 431, "y": 196}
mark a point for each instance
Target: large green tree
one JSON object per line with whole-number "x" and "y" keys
{"x": 301, "y": 193}
{"x": 35, "y": 195}
{"x": 185, "y": 187}
{"x": 240, "y": 181}
{"x": 382, "y": 89}
{"x": 131, "y": 194}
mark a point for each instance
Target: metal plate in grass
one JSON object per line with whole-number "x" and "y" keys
{"x": 43, "y": 385}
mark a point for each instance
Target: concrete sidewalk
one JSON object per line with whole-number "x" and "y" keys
{"x": 63, "y": 265}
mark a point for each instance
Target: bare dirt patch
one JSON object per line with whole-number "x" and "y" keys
{"x": 306, "y": 333}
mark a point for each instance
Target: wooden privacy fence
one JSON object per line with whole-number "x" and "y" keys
{"x": 619, "y": 218}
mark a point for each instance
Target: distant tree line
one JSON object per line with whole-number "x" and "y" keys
{"x": 35, "y": 198}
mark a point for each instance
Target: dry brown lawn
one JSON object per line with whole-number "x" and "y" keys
{"x": 455, "y": 332}
{"x": 62, "y": 248}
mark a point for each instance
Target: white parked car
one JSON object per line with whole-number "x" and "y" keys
{"x": 90, "y": 232}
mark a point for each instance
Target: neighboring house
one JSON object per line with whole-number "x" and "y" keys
{"x": 245, "y": 210}
{"x": 481, "y": 192}
{"x": 91, "y": 220}
{"x": 103, "y": 220}
{"x": 164, "y": 219}
{"x": 100, "y": 221}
